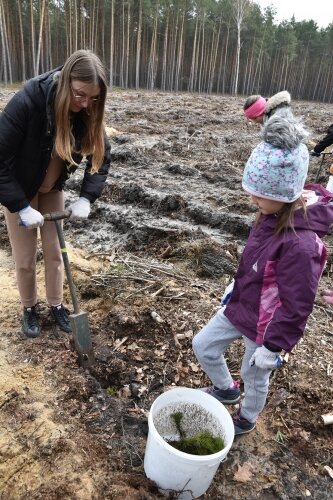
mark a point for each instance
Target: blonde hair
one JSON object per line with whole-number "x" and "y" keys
{"x": 85, "y": 66}
{"x": 285, "y": 218}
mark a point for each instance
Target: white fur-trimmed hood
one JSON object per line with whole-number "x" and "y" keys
{"x": 276, "y": 100}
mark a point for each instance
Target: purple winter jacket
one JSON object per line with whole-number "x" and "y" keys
{"x": 278, "y": 275}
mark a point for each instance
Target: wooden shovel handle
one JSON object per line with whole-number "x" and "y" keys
{"x": 57, "y": 215}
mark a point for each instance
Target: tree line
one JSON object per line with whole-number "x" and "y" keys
{"x": 213, "y": 46}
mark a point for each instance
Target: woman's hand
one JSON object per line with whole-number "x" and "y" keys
{"x": 80, "y": 209}
{"x": 30, "y": 218}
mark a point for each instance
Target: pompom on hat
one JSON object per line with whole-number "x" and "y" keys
{"x": 276, "y": 174}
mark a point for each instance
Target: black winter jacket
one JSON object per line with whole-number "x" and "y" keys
{"x": 27, "y": 134}
{"x": 326, "y": 141}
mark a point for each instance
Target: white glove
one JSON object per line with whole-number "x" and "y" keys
{"x": 265, "y": 359}
{"x": 30, "y": 217}
{"x": 80, "y": 209}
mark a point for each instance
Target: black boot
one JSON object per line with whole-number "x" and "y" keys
{"x": 60, "y": 316}
{"x": 30, "y": 326}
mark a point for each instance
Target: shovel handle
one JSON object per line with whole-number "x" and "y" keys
{"x": 57, "y": 215}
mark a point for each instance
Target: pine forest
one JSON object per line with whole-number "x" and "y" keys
{"x": 205, "y": 46}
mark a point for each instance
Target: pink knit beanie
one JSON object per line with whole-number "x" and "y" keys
{"x": 256, "y": 109}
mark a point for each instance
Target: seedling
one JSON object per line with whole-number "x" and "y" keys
{"x": 281, "y": 438}
{"x": 112, "y": 391}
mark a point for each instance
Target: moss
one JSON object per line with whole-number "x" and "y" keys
{"x": 202, "y": 443}
{"x": 112, "y": 391}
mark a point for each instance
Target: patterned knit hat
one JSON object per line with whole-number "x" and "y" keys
{"x": 276, "y": 174}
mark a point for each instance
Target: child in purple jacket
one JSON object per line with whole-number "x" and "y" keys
{"x": 277, "y": 278}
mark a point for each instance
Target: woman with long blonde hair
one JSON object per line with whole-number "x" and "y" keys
{"x": 46, "y": 130}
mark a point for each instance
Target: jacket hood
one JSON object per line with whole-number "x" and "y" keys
{"x": 280, "y": 99}
{"x": 284, "y": 131}
{"x": 45, "y": 84}
{"x": 319, "y": 214}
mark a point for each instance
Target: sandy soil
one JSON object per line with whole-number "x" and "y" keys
{"x": 165, "y": 238}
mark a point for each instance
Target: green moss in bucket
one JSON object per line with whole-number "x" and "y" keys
{"x": 177, "y": 417}
{"x": 202, "y": 443}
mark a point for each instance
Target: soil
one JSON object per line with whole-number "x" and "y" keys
{"x": 149, "y": 266}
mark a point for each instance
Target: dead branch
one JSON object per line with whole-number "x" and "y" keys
{"x": 158, "y": 292}
{"x": 140, "y": 290}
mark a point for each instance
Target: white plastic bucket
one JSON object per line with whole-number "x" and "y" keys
{"x": 175, "y": 471}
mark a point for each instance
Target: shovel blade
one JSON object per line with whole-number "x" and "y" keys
{"x": 82, "y": 339}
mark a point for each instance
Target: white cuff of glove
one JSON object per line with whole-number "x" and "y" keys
{"x": 227, "y": 293}
{"x": 31, "y": 218}
{"x": 80, "y": 209}
{"x": 265, "y": 359}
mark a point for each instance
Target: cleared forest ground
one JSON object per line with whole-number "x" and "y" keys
{"x": 165, "y": 237}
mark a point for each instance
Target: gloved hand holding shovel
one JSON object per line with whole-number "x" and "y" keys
{"x": 79, "y": 319}
{"x": 80, "y": 209}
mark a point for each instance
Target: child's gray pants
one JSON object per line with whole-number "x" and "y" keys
{"x": 210, "y": 344}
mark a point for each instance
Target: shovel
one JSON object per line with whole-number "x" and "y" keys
{"x": 79, "y": 320}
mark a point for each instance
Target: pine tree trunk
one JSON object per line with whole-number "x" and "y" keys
{"x": 180, "y": 53}
{"x": 21, "y": 40}
{"x": 41, "y": 22}
{"x": 165, "y": 53}
{"x": 3, "y": 46}
{"x": 127, "y": 43}
{"x": 111, "y": 44}
{"x": 193, "y": 63}
{"x": 32, "y": 34}
{"x": 138, "y": 48}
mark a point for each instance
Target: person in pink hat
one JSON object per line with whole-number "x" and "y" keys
{"x": 258, "y": 109}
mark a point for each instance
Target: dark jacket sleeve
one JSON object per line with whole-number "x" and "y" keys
{"x": 326, "y": 141}
{"x": 298, "y": 274}
{"x": 93, "y": 184}
{"x": 13, "y": 121}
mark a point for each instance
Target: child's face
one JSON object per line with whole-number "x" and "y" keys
{"x": 267, "y": 207}
{"x": 259, "y": 119}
